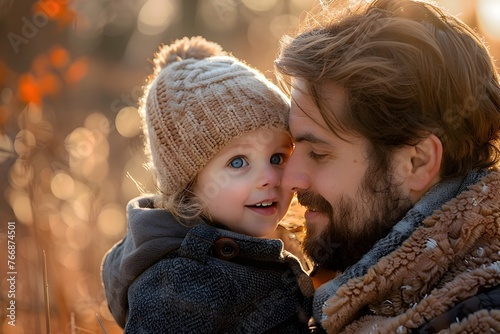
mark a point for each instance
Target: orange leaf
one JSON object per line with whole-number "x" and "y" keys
{"x": 58, "y": 11}
{"x": 29, "y": 90}
{"x": 51, "y": 8}
{"x": 76, "y": 71}
{"x": 49, "y": 84}
{"x": 59, "y": 57}
{"x": 66, "y": 18}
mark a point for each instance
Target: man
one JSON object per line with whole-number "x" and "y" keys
{"x": 396, "y": 119}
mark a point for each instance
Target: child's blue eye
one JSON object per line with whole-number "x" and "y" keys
{"x": 238, "y": 162}
{"x": 277, "y": 159}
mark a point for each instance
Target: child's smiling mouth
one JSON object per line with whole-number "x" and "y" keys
{"x": 266, "y": 208}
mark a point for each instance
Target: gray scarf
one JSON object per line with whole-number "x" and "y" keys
{"x": 432, "y": 200}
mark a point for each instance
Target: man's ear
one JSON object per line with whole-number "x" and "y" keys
{"x": 425, "y": 163}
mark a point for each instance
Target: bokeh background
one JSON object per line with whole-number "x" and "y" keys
{"x": 71, "y": 73}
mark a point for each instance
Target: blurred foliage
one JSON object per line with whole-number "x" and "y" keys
{"x": 71, "y": 72}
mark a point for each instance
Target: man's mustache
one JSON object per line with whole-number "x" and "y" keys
{"x": 314, "y": 202}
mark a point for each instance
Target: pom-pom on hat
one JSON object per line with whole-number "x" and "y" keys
{"x": 198, "y": 99}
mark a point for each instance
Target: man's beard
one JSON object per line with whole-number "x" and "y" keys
{"x": 355, "y": 225}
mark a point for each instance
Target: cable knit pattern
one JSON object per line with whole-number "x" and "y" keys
{"x": 453, "y": 256}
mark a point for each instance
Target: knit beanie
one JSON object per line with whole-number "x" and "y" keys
{"x": 198, "y": 99}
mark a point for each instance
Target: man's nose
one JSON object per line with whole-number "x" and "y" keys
{"x": 295, "y": 177}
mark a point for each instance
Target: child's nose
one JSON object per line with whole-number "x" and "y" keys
{"x": 270, "y": 177}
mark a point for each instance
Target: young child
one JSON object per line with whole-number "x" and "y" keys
{"x": 193, "y": 260}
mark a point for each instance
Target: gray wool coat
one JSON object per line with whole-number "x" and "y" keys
{"x": 166, "y": 278}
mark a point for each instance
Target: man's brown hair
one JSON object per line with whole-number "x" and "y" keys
{"x": 408, "y": 69}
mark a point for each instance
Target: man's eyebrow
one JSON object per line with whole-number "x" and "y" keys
{"x": 311, "y": 138}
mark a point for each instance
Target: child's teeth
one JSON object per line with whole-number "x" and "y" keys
{"x": 264, "y": 204}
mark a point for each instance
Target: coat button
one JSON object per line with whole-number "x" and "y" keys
{"x": 226, "y": 248}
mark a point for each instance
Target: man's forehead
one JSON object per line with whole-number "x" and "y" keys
{"x": 331, "y": 95}
{"x": 306, "y": 123}
{"x": 332, "y": 101}
{"x": 309, "y": 124}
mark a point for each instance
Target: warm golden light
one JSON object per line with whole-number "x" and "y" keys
{"x": 21, "y": 205}
{"x": 488, "y": 12}
{"x": 260, "y": 5}
{"x": 128, "y": 122}
{"x": 155, "y": 16}
{"x": 71, "y": 149}
{"x": 25, "y": 141}
{"x": 111, "y": 220}
{"x": 62, "y": 186}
